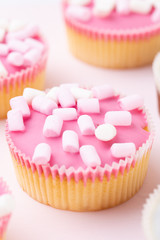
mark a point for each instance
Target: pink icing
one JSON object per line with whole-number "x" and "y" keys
{"x": 114, "y": 22}
{"x": 33, "y": 135}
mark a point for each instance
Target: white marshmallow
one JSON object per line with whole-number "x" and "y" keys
{"x": 86, "y": 125}
{"x": 52, "y": 126}
{"x": 4, "y": 49}
{"x": 103, "y": 8}
{"x": 32, "y": 57}
{"x": 15, "y": 59}
{"x": 15, "y": 120}
{"x": 70, "y": 141}
{"x": 3, "y": 71}
{"x": 121, "y": 150}
{"x": 53, "y": 94}
{"x": 43, "y": 104}
{"x": 118, "y": 118}
{"x": 33, "y": 43}
{"x": 81, "y": 93}
{"x": 81, "y": 13}
{"x": 42, "y": 154}
{"x": 18, "y": 46}
{"x": 65, "y": 98}
{"x": 2, "y": 34}
{"x": 30, "y": 93}
{"x": 16, "y": 25}
{"x": 103, "y": 91}
{"x": 90, "y": 156}
{"x": 6, "y": 204}
{"x": 90, "y": 105}
{"x": 131, "y": 102}
{"x": 140, "y": 6}
{"x": 122, "y": 7}
{"x": 20, "y": 104}
{"x": 105, "y": 132}
{"x": 67, "y": 114}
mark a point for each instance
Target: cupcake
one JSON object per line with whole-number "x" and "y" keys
{"x": 6, "y": 207}
{"x": 114, "y": 33}
{"x": 23, "y": 55}
{"x": 151, "y": 216}
{"x": 79, "y": 149}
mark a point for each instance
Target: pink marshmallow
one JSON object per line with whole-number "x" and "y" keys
{"x": 131, "y": 102}
{"x": 86, "y": 125}
{"x": 155, "y": 17}
{"x": 118, "y": 118}
{"x": 42, "y": 154}
{"x": 67, "y": 114}
{"x": 65, "y": 98}
{"x": 20, "y": 104}
{"x": 122, "y": 6}
{"x": 28, "y": 31}
{"x": 90, "y": 156}
{"x": 52, "y": 126}
{"x": 32, "y": 57}
{"x": 121, "y": 150}
{"x": 18, "y": 46}
{"x": 15, "y": 59}
{"x": 70, "y": 141}
{"x": 15, "y": 120}
{"x": 3, "y": 49}
{"x": 90, "y": 105}
{"x": 103, "y": 91}
{"x": 43, "y": 104}
{"x": 78, "y": 12}
{"x": 33, "y": 43}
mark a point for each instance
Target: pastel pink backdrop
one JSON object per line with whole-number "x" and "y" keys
{"x": 32, "y": 220}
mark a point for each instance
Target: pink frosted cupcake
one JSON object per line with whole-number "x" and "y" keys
{"x": 23, "y": 55}
{"x": 79, "y": 149}
{"x": 113, "y": 33}
{"x": 6, "y": 207}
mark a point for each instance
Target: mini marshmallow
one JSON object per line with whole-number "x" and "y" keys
{"x": 86, "y": 125}
{"x": 80, "y": 93}
{"x": 30, "y": 30}
{"x": 18, "y": 46}
{"x": 4, "y": 49}
{"x": 6, "y": 204}
{"x": 80, "y": 2}
{"x": 33, "y": 43}
{"x": 122, "y": 6}
{"x": 105, "y": 132}
{"x": 53, "y": 94}
{"x": 140, "y": 6}
{"x": 2, "y": 34}
{"x": 103, "y": 91}
{"x": 121, "y": 150}
{"x": 65, "y": 98}
{"x": 20, "y": 104}
{"x": 3, "y": 71}
{"x": 131, "y": 102}
{"x": 30, "y": 93}
{"x": 52, "y": 126}
{"x": 90, "y": 105}
{"x": 90, "y": 156}
{"x": 15, "y": 120}
{"x": 16, "y": 25}
{"x": 67, "y": 114}
{"x": 15, "y": 59}
{"x": 42, "y": 154}
{"x": 103, "y": 8}
{"x": 155, "y": 17}
{"x": 43, "y": 104}
{"x": 118, "y": 118}
{"x": 32, "y": 57}
{"x": 78, "y": 12}
{"x": 70, "y": 142}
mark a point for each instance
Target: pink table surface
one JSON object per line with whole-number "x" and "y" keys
{"x": 32, "y": 220}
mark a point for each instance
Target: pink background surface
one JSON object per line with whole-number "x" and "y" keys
{"x": 32, "y": 220}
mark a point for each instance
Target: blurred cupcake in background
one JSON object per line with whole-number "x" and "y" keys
{"x": 23, "y": 56}
{"x": 151, "y": 216}
{"x": 6, "y": 208}
{"x": 113, "y": 33}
